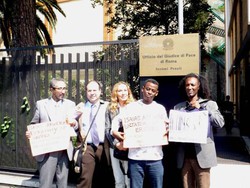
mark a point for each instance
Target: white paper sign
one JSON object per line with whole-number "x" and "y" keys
{"x": 49, "y": 137}
{"x": 189, "y": 127}
{"x": 143, "y": 130}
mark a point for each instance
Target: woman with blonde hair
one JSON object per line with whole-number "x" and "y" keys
{"x": 121, "y": 96}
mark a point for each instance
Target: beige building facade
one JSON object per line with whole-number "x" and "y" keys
{"x": 237, "y": 14}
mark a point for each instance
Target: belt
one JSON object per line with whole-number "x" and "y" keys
{"x": 94, "y": 146}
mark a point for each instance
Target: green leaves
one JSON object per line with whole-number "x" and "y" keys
{"x": 8, "y": 122}
{"x": 74, "y": 140}
{"x": 25, "y": 105}
{"x": 5, "y": 126}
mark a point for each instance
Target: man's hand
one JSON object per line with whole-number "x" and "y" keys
{"x": 28, "y": 134}
{"x": 71, "y": 122}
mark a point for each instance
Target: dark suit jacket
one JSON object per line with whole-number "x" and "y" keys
{"x": 45, "y": 113}
{"x": 205, "y": 153}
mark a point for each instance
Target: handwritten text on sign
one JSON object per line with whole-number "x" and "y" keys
{"x": 142, "y": 131}
{"x": 49, "y": 137}
{"x": 188, "y": 126}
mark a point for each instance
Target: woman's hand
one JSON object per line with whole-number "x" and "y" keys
{"x": 120, "y": 146}
{"x": 118, "y": 135}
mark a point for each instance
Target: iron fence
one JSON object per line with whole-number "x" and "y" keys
{"x": 24, "y": 79}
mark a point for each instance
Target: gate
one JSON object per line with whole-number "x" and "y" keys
{"x": 24, "y": 79}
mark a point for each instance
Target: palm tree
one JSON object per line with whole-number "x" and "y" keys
{"x": 5, "y": 16}
{"x": 44, "y": 7}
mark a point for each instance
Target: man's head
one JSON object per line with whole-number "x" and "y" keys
{"x": 149, "y": 90}
{"x": 93, "y": 89}
{"x": 193, "y": 85}
{"x": 57, "y": 88}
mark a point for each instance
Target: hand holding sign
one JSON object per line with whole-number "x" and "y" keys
{"x": 189, "y": 127}
{"x": 142, "y": 131}
{"x": 49, "y": 137}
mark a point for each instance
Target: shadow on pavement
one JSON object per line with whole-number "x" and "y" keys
{"x": 231, "y": 148}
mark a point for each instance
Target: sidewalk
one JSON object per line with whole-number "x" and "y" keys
{"x": 20, "y": 180}
{"x": 233, "y": 148}
{"x": 233, "y": 167}
{"x": 247, "y": 143}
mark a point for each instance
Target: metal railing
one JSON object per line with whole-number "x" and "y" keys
{"x": 25, "y": 75}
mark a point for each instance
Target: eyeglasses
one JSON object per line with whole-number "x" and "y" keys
{"x": 60, "y": 88}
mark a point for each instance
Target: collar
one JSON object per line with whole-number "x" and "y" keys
{"x": 100, "y": 102}
{"x": 54, "y": 102}
{"x": 142, "y": 103}
{"x": 200, "y": 100}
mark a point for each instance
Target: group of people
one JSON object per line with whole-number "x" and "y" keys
{"x": 105, "y": 135}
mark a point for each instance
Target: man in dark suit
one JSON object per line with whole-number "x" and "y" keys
{"x": 52, "y": 109}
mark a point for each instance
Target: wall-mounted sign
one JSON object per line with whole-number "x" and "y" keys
{"x": 169, "y": 55}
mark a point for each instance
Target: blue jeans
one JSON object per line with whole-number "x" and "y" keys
{"x": 153, "y": 170}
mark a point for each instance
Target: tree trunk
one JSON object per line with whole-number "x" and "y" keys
{"x": 24, "y": 23}
{"x": 23, "y": 35}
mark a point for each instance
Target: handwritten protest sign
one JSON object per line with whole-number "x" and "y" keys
{"x": 188, "y": 126}
{"x": 49, "y": 137}
{"x": 143, "y": 130}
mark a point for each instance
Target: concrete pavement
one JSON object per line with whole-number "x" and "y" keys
{"x": 230, "y": 176}
{"x": 233, "y": 160}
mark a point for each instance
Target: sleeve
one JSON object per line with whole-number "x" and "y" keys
{"x": 115, "y": 123}
{"x": 36, "y": 117}
{"x": 107, "y": 121}
{"x": 108, "y": 135}
{"x": 72, "y": 114}
{"x": 165, "y": 114}
{"x": 215, "y": 115}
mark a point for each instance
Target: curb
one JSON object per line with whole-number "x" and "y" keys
{"x": 20, "y": 180}
{"x": 246, "y": 139}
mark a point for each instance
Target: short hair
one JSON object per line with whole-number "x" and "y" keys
{"x": 54, "y": 81}
{"x": 203, "y": 89}
{"x": 98, "y": 83}
{"x": 151, "y": 80}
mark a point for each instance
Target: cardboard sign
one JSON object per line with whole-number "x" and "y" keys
{"x": 50, "y": 136}
{"x": 189, "y": 127}
{"x": 143, "y": 130}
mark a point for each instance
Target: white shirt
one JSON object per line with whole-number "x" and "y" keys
{"x": 153, "y": 110}
{"x": 100, "y": 120}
